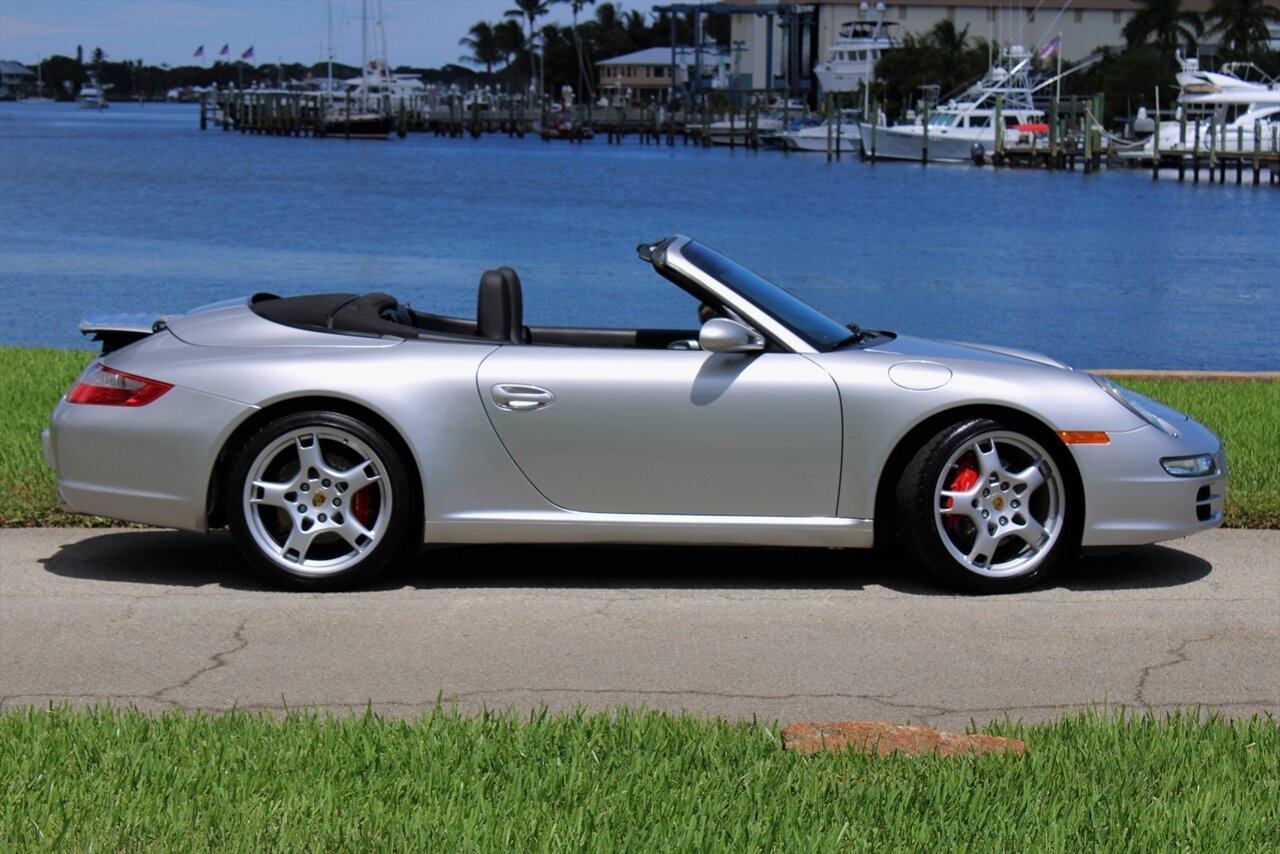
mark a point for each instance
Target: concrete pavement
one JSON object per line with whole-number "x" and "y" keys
{"x": 162, "y": 620}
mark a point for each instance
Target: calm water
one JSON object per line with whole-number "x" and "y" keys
{"x": 136, "y": 209}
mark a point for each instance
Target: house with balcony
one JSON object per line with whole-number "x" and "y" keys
{"x": 645, "y": 76}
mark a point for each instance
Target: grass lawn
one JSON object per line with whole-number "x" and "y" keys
{"x": 1243, "y": 413}
{"x": 630, "y": 781}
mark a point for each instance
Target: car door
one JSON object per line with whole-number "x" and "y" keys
{"x": 668, "y": 431}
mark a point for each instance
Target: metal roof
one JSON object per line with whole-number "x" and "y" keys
{"x": 662, "y": 56}
{"x": 15, "y": 69}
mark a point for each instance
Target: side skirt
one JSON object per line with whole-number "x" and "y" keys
{"x": 566, "y": 526}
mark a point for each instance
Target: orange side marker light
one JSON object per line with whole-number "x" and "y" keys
{"x": 1084, "y": 437}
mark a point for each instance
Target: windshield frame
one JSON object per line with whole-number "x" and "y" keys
{"x": 774, "y": 310}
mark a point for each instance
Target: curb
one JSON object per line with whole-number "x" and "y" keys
{"x": 1192, "y": 376}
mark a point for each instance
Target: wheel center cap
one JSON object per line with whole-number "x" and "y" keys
{"x": 996, "y": 502}
{"x": 317, "y": 498}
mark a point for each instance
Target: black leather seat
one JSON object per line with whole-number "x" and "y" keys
{"x": 499, "y": 306}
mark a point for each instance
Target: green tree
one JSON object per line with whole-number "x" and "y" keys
{"x": 1165, "y": 24}
{"x": 1241, "y": 25}
{"x": 485, "y": 46}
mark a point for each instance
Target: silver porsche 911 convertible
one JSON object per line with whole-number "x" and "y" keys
{"x": 334, "y": 433}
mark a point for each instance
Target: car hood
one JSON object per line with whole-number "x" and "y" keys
{"x": 927, "y": 348}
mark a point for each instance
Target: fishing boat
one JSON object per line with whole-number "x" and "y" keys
{"x": 851, "y": 59}
{"x": 999, "y": 107}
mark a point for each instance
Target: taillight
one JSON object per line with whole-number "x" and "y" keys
{"x": 106, "y": 387}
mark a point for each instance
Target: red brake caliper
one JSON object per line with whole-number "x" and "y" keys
{"x": 964, "y": 480}
{"x": 360, "y": 506}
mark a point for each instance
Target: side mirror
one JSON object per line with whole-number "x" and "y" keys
{"x": 722, "y": 335}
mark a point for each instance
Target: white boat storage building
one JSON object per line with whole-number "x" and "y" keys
{"x": 1085, "y": 26}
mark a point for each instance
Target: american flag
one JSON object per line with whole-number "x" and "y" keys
{"x": 199, "y": 52}
{"x": 248, "y": 54}
{"x": 226, "y": 50}
{"x": 1050, "y": 48}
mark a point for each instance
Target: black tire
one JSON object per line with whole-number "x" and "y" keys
{"x": 989, "y": 507}
{"x": 320, "y": 501}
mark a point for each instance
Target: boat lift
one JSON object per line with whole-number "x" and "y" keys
{"x": 797, "y": 16}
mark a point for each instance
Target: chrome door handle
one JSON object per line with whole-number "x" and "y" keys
{"x": 515, "y": 397}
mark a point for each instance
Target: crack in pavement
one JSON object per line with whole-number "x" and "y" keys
{"x": 1180, "y": 656}
{"x": 217, "y": 660}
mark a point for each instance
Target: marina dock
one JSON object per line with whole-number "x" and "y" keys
{"x": 1073, "y": 141}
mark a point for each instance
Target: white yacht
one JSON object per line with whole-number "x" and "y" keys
{"x": 954, "y": 128}
{"x": 92, "y": 96}
{"x": 851, "y": 59}
{"x": 843, "y": 134}
{"x": 1225, "y": 113}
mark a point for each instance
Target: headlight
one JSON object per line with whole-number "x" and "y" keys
{"x": 1197, "y": 466}
{"x": 1133, "y": 402}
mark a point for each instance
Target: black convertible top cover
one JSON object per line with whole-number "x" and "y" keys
{"x": 370, "y": 314}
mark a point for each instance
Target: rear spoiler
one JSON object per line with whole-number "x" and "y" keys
{"x": 118, "y": 330}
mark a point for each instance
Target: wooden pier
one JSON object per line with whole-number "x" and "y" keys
{"x": 277, "y": 113}
{"x": 1220, "y": 151}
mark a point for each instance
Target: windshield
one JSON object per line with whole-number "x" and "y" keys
{"x": 801, "y": 318}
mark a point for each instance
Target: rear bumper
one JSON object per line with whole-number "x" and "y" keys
{"x": 1131, "y": 500}
{"x": 150, "y": 464}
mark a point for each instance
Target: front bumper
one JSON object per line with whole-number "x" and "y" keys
{"x": 1131, "y": 500}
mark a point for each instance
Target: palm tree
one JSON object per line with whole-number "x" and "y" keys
{"x": 531, "y": 11}
{"x": 952, "y": 67}
{"x": 1242, "y": 24}
{"x": 1164, "y": 24}
{"x": 577, "y": 6}
{"x": 510, "y": 41}
{"x": 484, "y": 45}
{"x": 635, "y": 25}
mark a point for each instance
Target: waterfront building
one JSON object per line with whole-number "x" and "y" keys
{"x": 1085, "y": 25}
{"x": 15, "y": 79}
{"x": 644, "y": 77}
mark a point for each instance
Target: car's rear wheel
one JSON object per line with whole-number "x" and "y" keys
{"x": 987, "y": 506}
{"x": 319, "y": 501}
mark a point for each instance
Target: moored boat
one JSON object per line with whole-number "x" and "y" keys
{"x": 999, "y": 108}
{"x": 1219, "y": 112}
{"x": 91, "y": 95}
{"x": 851, "y": 59}
{"x": 841, "y": 134}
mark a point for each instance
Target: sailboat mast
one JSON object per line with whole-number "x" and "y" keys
{"x": 364, "y": 54}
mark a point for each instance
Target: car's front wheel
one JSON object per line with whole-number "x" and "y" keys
{"x": 319, "y": 501}
{"x": 987, "y": 507}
